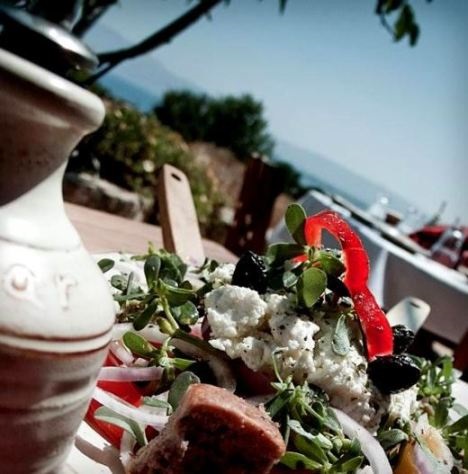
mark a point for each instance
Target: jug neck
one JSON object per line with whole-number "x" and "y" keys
{"x": 43, "y": 118}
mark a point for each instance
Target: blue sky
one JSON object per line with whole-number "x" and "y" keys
{"x": 333, "y": 82}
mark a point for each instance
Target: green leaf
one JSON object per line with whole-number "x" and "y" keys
{"x": 340, "y": 341}
{"x": 282, "y": 251}
{"x": 458, "y": 426}
{"x": 151, "y": 268}
{"x": 391, "y": 438}
{"x": 127, "y": 424}
{"x": 145, "y": 316}
{"x": 186, "y": 313}
{"x": 331, "y": 264}
{"x": 295, "y": 218}
{"x": 158, "y": 403}
{"x": 310, "y": 285}
{"x": 105, "y": 264}
{"x": 306, "y": 443}
{"x": 180, "y": 386}
{"x": 119, "y": 282}
{"x": 177, "y": 296}
{"x": 289, "y": 279}
{"x": 295, "y": 460}
{"x": 348, "y": 464}
{"x": 137, "y": 344}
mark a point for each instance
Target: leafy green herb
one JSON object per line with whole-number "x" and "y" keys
{"x": 145, "y": 317}
{"x": 151, "y": 268}
{"x": 119, "y": 282}
{"x": 138, "y": 345}
{"x": 330, "y": 264}
{"x": 390, "y": 438}
{"x": 295, "y": 460}
{"x": 310, "y": 286}
{"x": 158, "y": 403}
{"x": 289, "y": 279}
{"x": 278, "y": 253}
{"x": 295, "y": 219}
{"x": 106, "y": 264}
{"x": 186, "y": 314}
{"x": 180, "y": 386}
{"x": 127, "y": 424}
{"x": 340, "y": 341}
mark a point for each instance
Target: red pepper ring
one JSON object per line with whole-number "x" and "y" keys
{"x": 374, "y": 323}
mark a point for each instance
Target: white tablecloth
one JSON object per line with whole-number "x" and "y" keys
{"x": 397, "y": 273}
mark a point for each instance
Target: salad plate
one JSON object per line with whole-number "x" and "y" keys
{"x": 296, "y": 320}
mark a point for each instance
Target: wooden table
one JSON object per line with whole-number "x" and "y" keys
{"x": 103, "y": 232}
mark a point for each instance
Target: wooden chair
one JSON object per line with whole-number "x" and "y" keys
{"x": 262, "y": 184}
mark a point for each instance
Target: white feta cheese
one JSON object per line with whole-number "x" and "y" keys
{"x": 221, "y": 275}
{"x": 256, "y": 352}
{"x": 345, "y": 380}
{"x": 234, "y": 311}
{"x": 403, "y": 404}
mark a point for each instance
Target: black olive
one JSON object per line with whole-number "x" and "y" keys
{"x": 403, "y": 337}
{"x": 250, "y": 272}
{"x": 337, "y": 286}
{"x": 394, "y": 373}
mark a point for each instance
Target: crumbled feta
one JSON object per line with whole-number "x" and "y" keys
{"x": 256, "y": 352}
{"x": 253, "y": 327}
{"x": 234, "y": 311}
{"x": 403, "y": 404}
{"x": 221, "y": 275}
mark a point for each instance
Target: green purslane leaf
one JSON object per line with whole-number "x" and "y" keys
{"x": 119, "y": 282}
{"x": 340, "y": 341}
{"x": 390, "y": 438}
{"x": 127, "y": 424}
{"x": 347, "y": 464}
{"x": 106, "y": 264}
{"x": 145, "y": 316}
{"x": 295, "y": 218}
{"x": 151, "y": 268}
{"x": 180, "y": 386}
{"x": 282, "y": 251}
{"x": 289, "y": 279}
{"x": 137, "y": 344}
{"x": 307, "y": 444}
{"x": 459, "y": 426}
{"x": 331, "y": 264}
{"x": 176, "y": 296}
{"x": 295, "y": 460}
{"x": 310, "y": 286}
{"x": 186, "y": 314}
{"x": 158, "y": 403}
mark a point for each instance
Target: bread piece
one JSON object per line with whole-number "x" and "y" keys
{"x": 212, "y": 431}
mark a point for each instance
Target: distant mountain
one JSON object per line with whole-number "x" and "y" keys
{"x": 324, "y": 173}
{"x": 141, "y": 81}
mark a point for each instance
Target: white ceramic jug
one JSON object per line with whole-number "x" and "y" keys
{"x": 56, "y": 312}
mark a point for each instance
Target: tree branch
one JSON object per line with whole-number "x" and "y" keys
{"x": 110, "y": 59}
{"x": 90, "y": 14}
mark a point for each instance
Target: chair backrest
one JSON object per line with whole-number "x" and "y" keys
{"x": 263, "y": 182}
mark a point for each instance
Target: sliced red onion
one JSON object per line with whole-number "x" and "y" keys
{"x": 125, "y": 409}
{"x": 130, "y": 374}
{"x": 121, "y": 352}
{"x": 371, "y": 448}
{"x": 127, "y": 445}
{"x": 221, "y": 370}
{"x": 150, "y": 332}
